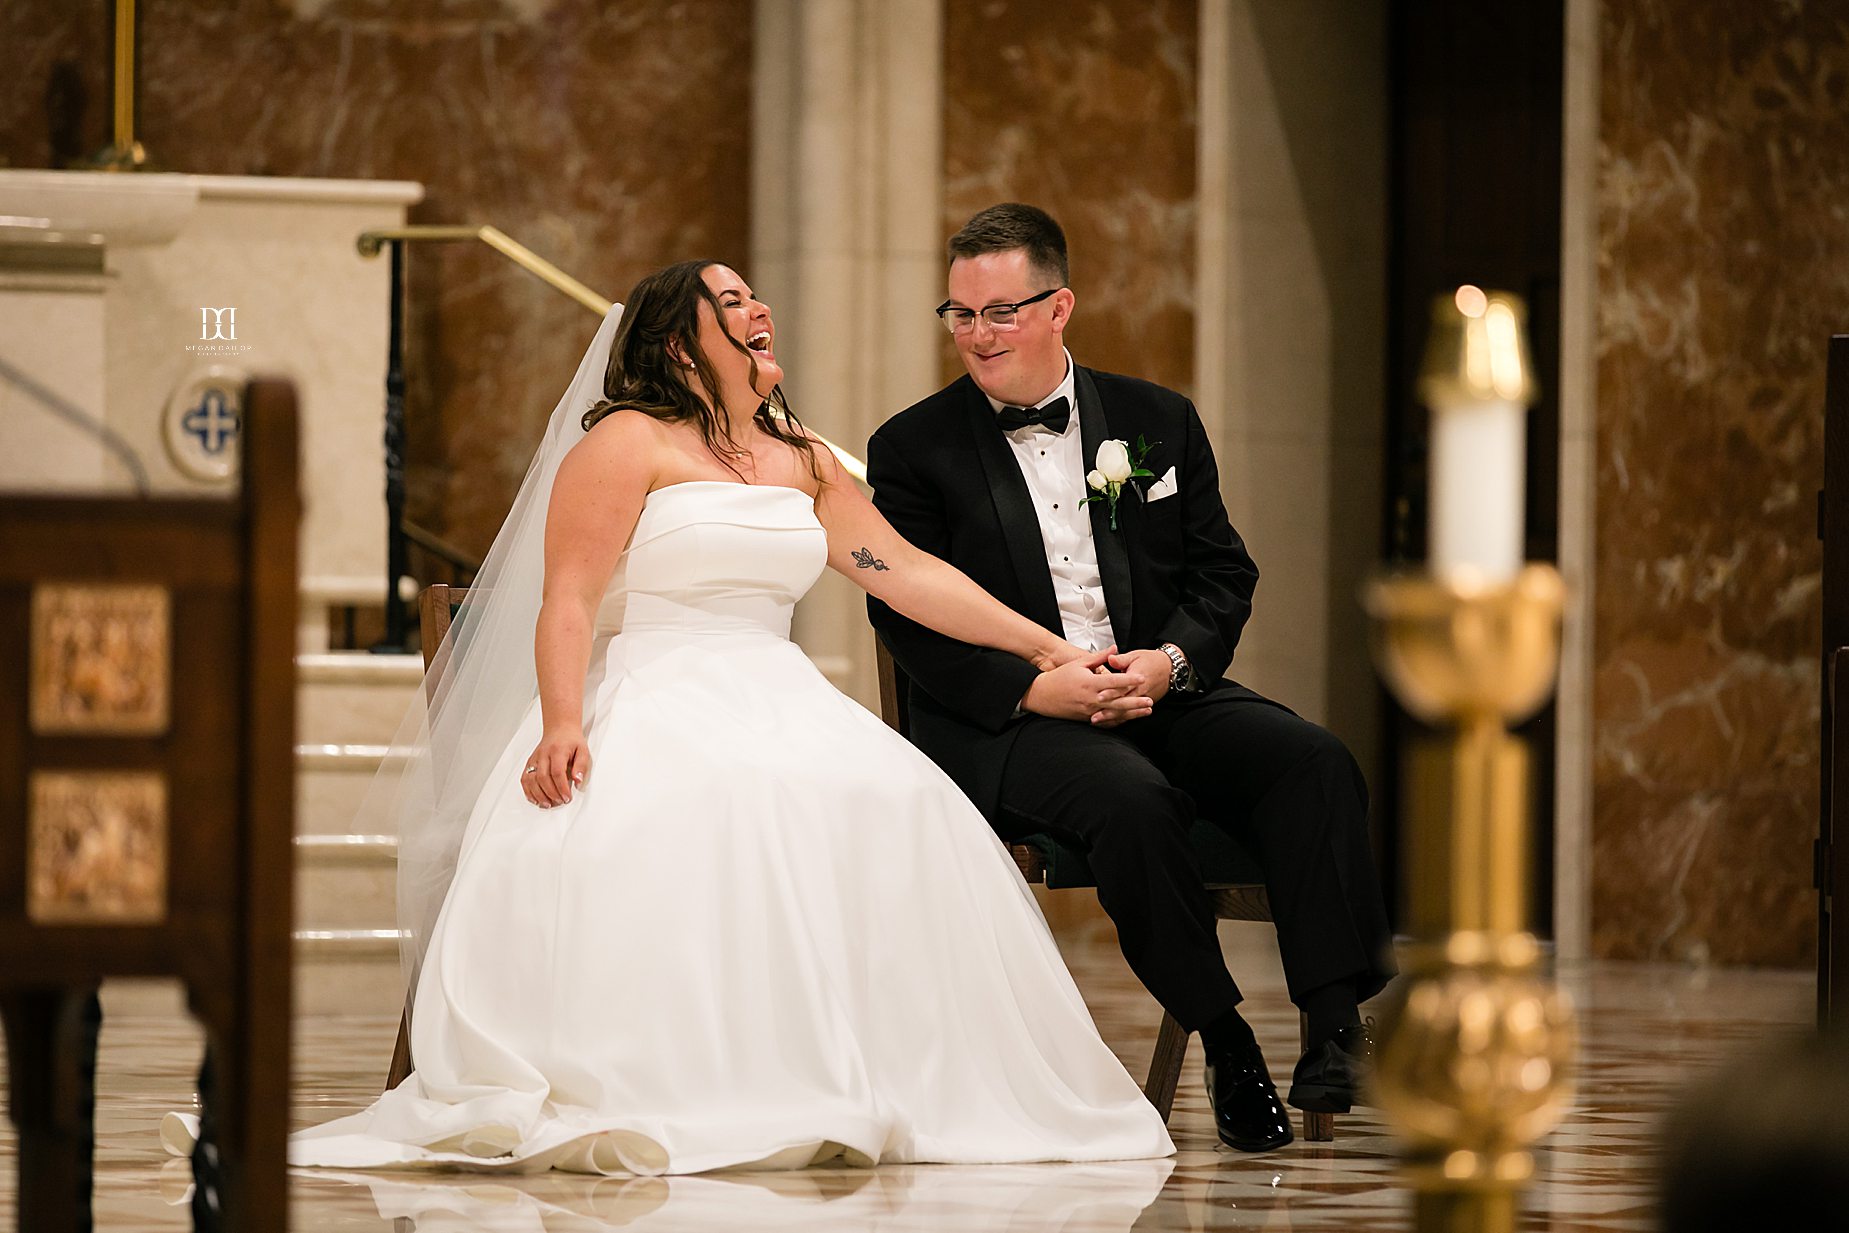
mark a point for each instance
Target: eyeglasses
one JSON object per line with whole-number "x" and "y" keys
{"x": 957, "y": 319}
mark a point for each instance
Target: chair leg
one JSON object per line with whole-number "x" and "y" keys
{"x": 401, "y": 1051}
{"x": 1165, "y": 1065}
{"x": 1317, "y": 1127}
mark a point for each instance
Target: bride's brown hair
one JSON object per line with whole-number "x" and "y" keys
{"x": 643, "y": 375}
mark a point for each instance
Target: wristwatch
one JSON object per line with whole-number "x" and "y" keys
{"x": 1181, "y": 672}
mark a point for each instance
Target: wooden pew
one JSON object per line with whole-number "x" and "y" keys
{"x": 147, "y": 725}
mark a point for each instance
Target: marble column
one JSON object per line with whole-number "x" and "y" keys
{"x": 1288, "y": 345}
{"x": 847, "y": 187}
{"x": 1579, "y": 279}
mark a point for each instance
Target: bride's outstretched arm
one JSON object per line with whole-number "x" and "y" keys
{"x": 595, "y": 503}
{"x": 863, "y": 545}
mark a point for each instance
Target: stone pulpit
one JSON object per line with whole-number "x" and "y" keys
{"x": 134, "y": 307}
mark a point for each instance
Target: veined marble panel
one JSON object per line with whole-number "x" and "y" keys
{"x": 1723, "y": 269}
{"x": 1088, "y": 109}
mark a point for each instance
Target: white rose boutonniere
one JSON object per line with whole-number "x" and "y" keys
{"x": 1114, "y": 462}
{"x": 1113, "y": 469}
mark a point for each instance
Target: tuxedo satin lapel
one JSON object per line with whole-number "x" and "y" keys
{"x": 1014, "y": 509}
{"x": 1112, "y": 546}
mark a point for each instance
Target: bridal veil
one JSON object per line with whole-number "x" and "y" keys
{"x": 478, "y": 686}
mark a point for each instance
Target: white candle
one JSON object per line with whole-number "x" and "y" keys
{"x": 1477, "y": 490}
{"x": 1479, "y": 418}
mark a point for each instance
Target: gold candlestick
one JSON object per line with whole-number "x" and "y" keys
{"x": 1476, "y": 1046}
{"x": 125, "y": 152}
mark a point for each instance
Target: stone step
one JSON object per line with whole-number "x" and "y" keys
{"x": 350, "y": 697}
{"x": 345, "y": 881}
{"x": 331, "y": 781}
{"x": 348, "y": 972}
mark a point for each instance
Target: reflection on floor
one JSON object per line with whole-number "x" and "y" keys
{"x": 1647, "y": 1030}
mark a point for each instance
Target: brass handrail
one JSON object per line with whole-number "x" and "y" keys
{"x": 125, "y": 153}
{"x": 437, "y": 546}
{"x": 371, "y": 242}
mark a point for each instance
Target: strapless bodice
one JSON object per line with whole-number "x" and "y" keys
{"x": 715, "y": 557}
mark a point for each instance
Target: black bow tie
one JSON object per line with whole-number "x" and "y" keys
{"x": 1055, "y": 416}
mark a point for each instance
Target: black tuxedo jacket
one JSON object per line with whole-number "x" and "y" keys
{"x": 1174, "y": 570}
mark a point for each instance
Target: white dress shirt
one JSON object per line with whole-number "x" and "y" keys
{"x": 1054, "y": 467}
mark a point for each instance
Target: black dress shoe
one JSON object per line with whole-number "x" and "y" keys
{"x": 1328, "y": 1078}
{"x": 1246, "y": 1109}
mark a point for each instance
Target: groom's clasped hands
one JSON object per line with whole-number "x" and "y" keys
{"x": 1101, "y": 688}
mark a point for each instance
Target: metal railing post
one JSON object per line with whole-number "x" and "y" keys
{"x": 397, "y": 552}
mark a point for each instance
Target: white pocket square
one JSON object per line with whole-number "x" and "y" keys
{"x": 1164, "y": 487}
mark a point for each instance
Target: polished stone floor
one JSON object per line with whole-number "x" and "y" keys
{"x": 1646, "y": 1031}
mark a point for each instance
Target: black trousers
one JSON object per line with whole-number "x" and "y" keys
{"x": 1286, "y": 789}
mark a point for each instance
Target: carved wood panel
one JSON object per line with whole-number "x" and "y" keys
{"x": 101, "y": 661}
{"x": 96, "y": 848}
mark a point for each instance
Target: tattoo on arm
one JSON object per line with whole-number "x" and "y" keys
{"x": 864, "y": 559}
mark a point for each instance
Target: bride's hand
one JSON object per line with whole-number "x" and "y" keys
{"x": 557, "y": 764}
{"x": 1057, "y": 651}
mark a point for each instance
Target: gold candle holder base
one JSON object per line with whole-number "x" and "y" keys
{"x": 1476, "y": 1046}
{"x": 1474, "y": 1067}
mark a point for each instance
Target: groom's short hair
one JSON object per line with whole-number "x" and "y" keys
{"x": 1011, "y": 225}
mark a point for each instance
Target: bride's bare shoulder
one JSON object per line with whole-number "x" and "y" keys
{"x": 624, "y": 432}
{"x": 625, "y": 445}
{"x": 623, "y": 426}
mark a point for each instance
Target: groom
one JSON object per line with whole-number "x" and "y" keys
{"x": 1115, "y": 754}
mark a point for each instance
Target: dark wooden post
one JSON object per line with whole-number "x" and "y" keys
{"x": 147, "y": 803}
{"x": 1832, "y": 850}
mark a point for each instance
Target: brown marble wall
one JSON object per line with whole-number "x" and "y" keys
{"x": 610, "y": 138}
{"x": 1087, "y": 108}
{"x": 1724, "y": 267}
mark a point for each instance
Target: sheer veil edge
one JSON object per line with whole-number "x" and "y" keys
{"x": 479, "y": 685}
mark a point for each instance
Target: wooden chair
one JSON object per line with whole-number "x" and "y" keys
{"x": 147, "y": 655}
{"x": 1232, "y": 877}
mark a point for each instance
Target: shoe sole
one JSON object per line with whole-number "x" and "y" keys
{"x": 1320, "y": 1098}
{"x": 1286, "y": 1141}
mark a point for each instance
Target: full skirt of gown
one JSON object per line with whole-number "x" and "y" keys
{"x": 766, "y": 932}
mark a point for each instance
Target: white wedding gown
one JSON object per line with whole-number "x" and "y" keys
{"x": 765, "y": 932}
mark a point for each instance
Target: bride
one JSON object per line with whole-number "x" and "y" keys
{"x": 678, "y": 904}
